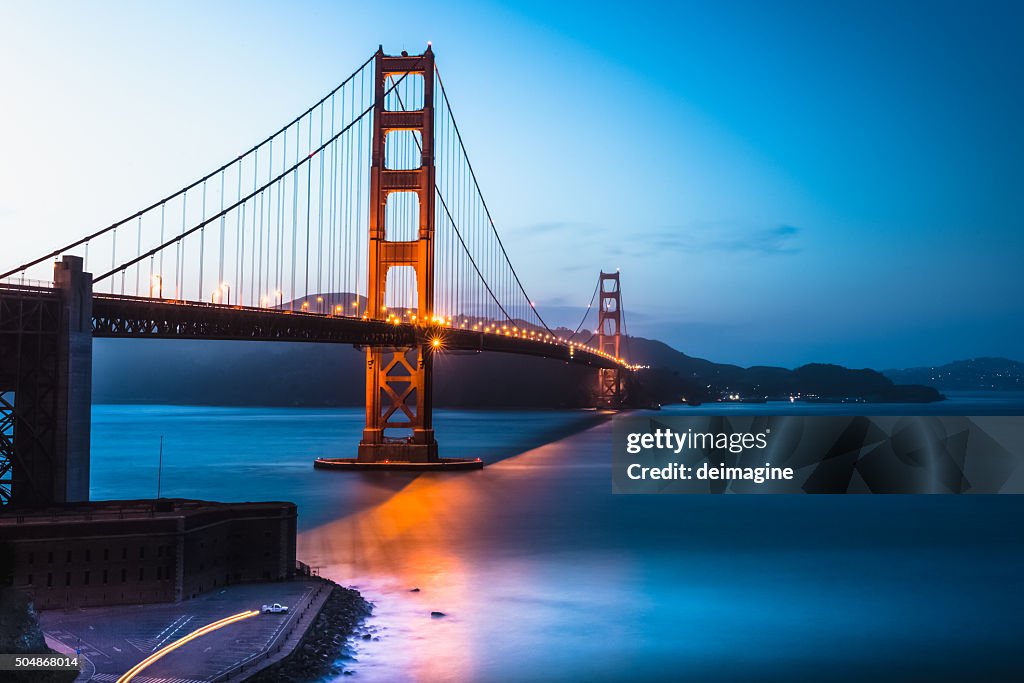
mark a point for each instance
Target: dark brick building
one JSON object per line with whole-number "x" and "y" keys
{"x": 117, "y": 552}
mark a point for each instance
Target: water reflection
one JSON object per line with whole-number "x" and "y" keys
{"x": 545, "y": 575}
{"x": 401, "y": 544}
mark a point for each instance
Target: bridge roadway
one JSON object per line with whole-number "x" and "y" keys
{"x": 116, "y": 316}
{"x": 46, "y": 364}
{"x": 131, "y": 317}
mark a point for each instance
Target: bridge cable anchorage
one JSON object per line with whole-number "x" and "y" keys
{"x": 182, "y": 191}
{"x": 292, "y": 169}
{"x": 487, "y": 211}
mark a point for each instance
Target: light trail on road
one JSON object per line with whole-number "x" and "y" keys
{"x": 132, "y": 672}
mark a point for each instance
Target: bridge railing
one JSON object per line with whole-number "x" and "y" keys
{"x": 27, "y": 283}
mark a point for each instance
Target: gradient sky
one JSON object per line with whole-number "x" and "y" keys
{"x": 779, "y": 182}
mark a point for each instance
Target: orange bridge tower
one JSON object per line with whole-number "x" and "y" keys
{"x": 399, "y": 379}
{"x": 399, "y": 431}
{"x": 609, "y": 328}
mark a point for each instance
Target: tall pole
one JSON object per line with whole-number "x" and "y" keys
{"x": 160, "y": 467}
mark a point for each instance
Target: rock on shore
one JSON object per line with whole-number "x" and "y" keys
{"x": 317, "y": 655}
{"x": 20, "y": 634}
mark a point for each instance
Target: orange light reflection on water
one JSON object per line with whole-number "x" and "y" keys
{"x": 496, "y": 551}
{"x": 404, "y": 543}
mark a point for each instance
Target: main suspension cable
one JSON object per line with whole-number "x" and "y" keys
{"x": 137, "y": 214}
{"x": 586, "y": 313}
{"x": 455, "y": 226}
{"x": 293, "y": 169}
{"x": 487, "y": 211}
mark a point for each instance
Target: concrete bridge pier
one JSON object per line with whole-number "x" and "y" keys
{"x": 74, "y": 373}
{"x": 46, "y": 388}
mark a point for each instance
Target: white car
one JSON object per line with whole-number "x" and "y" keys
{"x": 276, "y": 608}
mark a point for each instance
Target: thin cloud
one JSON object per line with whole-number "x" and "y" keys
{"x": 557, "y": 227}
{"x": 778, "y": 240}
{"x": 781, "y": 239}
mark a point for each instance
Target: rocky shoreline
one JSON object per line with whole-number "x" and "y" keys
{"x": 20, "y": 634}
{"x": 321, "y": 649}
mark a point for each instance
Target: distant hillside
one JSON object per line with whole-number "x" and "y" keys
{"x": 991, "y": 374}
{"x": 247, "y": 373}
{"x": 675, "y": 375}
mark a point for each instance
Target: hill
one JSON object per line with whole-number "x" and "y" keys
{"x": 675, "y": 376}
{"x": 977, "y": 374}
{"x": 244, "y": 373}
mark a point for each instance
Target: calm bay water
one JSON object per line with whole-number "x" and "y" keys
{"x": 545, "y": 575}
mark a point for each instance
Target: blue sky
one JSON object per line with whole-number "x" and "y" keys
{"x": 779, "y": 182}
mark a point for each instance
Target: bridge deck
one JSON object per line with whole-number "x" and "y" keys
{"x": 130, "y": 317}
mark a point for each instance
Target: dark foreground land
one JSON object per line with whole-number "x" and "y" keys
{"x": 321, "y": 648}
{"x": 113, "y": 639}
{"x": 20, "y": 634}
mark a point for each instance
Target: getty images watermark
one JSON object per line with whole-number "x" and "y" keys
{"x": 734, "y": 443}
{"x": 817, "y": 454}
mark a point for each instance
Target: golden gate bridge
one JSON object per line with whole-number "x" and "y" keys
{"x": 361, "y": 221}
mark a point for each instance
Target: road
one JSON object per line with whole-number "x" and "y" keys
{"x": 114, "y": 639}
